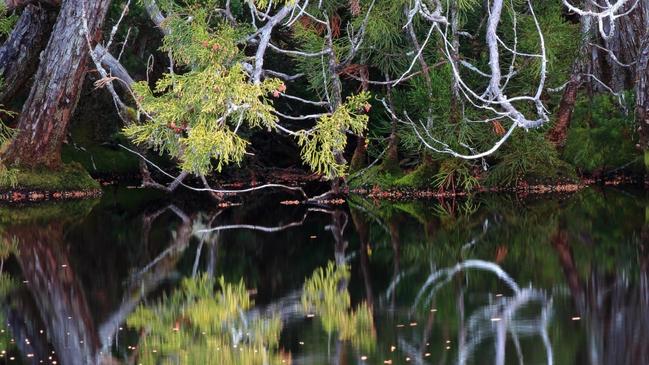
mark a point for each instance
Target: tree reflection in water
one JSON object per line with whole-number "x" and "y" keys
{"x": 551, "y": 281}
{"x": 498, "y": 320}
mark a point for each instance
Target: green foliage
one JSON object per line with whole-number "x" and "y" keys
{"x": 456, "y": 174}
{"x": 325, "y": 297}
{"x": 7, "y": 285}
{"x": 6, "y": 133}
{"x": 198, "y": 325}
{"x": 8, "y": 177}
{"x": 201, "y": 114}
{"x": 7, "y": 22}
{"x": 561, "y": 38}
{"x": 195, "y": 126}
{"x": 68, "y": 177}
{"x": 310, "y": 39}
{"x": 195, "y": 116}
{"x": 385, "y": 34}
{"x": 527, "y": 155}
{"x": 266, "y": 3}
{"x": 321, "y": 144}
{"x": 8, "y": 247}
{"x": 601, "y": 135}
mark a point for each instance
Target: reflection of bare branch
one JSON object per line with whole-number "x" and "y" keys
{"x": 497, "y": 319}
{"x": 494, "y": 320}
{"x": 613, "y": 310}
{"x": 445, "y": 275}
{"x": 179, "y": 244}
{"x": 255, "y": 227}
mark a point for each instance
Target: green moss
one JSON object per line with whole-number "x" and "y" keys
{"x": 71, "y": 176}
{"x": 375, "y": 176}
{"x": 102, "y": 160}
{"x": 391, "y": 161}
{"x": 69, "y": 211}
{"x": 421, "y": 177}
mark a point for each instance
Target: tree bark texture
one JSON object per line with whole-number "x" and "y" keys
{"x": 559, "y": 132}
{"x": 642, "y": 100}
{"x": 19, "y": 53}
{"x": 12, "y": 5}
{"x": 625, "y": 45}
{"x": 43, "y": 122}
{"x": 581, "y": 66}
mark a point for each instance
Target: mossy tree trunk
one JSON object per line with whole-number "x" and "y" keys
{"x": 19, "y": 53}
{"x": 43, "y": 122}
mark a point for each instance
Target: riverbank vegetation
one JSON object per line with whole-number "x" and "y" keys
{"x": 417, "y": 94}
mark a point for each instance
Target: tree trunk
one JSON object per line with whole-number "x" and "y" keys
{"x": 625, "y": 45}
{"x": 642, "y": 100}
{"x": 360, "y": 155}
{"x": 559, "y": 132}
{"x": 57, "y": 291}
{"x": 43, "y": 121}
{"x": 12, "y": 5}
{"x": 456, "y": 103}
{"x": 583, "y": 64}
{"x": 19, "y": 53}
{"x": 391, "y": 160}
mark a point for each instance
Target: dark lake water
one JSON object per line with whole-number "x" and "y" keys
{"x": 135, "y": 279}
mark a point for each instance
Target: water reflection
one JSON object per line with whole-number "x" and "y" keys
{"x": 136, "y": 279}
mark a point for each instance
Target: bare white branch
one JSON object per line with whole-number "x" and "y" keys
{"x": 606, "y": 15}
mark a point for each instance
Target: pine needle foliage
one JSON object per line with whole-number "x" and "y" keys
{"x": 198, "y": 324}
{"x": 6, "y": 133}
{"x": 601, "y": 136}
{"x": 8, "y": 176}
{"x": 195, "y": 116}
{"x": 7, "y": 22}
{"x": 527, "y": 156}
{"x": 319, "y": 145}
{"x": 323, "y": 297}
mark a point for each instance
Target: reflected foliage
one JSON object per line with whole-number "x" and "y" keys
{"x": 564, "y": 276}
{"x": 200, "y": 325}
{"x": 324, "y": 297}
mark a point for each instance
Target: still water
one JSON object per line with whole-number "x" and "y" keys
{"x": 136, "y": 279}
